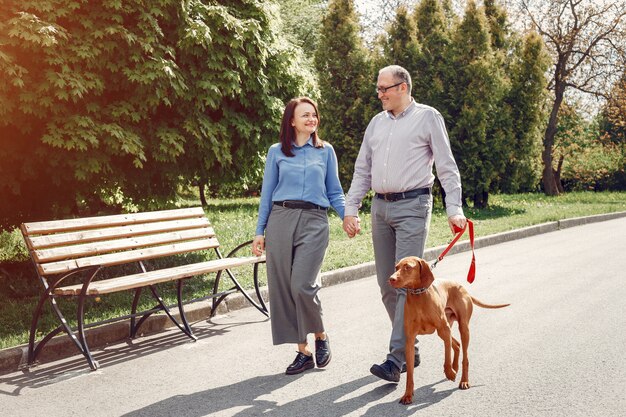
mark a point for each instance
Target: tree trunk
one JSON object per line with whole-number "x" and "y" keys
{"x": 201, "y": 187}
{"x": 549, "y": 182}
{"x": 557, "y": 175}
{"x": 480, "y": 199}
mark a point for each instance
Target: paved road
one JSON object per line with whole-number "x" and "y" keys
{"x": 559, "y": 350}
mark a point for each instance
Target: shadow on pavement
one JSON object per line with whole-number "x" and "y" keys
{"x": 249, "y": 398}
{"x": 53, "y": 372}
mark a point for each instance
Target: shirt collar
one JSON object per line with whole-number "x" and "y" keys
{"x": 403, "y": 112}
{"x": 308, "y": 142}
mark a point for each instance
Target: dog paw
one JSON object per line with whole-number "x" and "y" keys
{"x": 464, "y": 385}
{"x": 450, "y": 374}
{"x": 406, "y": 399}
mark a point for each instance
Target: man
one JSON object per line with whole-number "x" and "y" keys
{"x": 396, "y": 160}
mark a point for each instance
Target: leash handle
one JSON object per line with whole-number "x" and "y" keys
{"x": 471, "y": 274}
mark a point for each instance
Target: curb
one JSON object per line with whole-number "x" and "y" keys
{"x": 15, "y": 358}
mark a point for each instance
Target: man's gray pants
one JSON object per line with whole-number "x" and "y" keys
{"x": 295, "y": 243}
{"x": 399, "y": 229}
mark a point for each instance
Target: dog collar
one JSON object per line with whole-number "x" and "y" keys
{"x": 416, "y": 291}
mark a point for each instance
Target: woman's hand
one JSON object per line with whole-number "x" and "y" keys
{"x": 258, "y": 245}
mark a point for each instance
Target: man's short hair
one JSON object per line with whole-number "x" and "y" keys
{"x": 399, "y": 74}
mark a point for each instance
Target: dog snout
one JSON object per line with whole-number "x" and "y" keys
{"x": 393, "y": 279}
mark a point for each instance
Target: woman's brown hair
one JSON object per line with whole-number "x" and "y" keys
{"x": 288, "y": 132}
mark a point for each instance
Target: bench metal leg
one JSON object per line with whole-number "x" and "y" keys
{"x": 81, "y": 331}
{"x": 33, "y": 327}
{"x": 185, "y": 329}
{"x": 258, "y": 290}
{"x": 262, "y": 308}
{"x": 33, "y": 351}
{"x": 216, "y": 302}
{"x": 80, "y": 316}
{"x": 133, "y": 320}
{"x": 181, "y": 307}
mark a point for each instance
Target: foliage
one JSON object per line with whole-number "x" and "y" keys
{"x": 526, "y": 100}
{"x": 586, "y": 40}
{"x": 302, "y": 22}
{"x": 112, "y": 104}
{"x": 588, "y": 162}
{"x": 479, "y": 87}
{"x": 345, "y": 84}
{"x": 432, "y": 72}
{"x": 400, "y": 46}
{"x": 12, "y": 247}
{"x": 613, "y": 122}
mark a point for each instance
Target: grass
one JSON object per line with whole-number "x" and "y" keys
{"x": 235, "y": 221}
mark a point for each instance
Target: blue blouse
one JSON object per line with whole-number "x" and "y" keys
{"x": 311, "y": 175}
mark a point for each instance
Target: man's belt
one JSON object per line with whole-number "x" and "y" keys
{"x": 404, "y": 195}
{"x": 297, "y": 204}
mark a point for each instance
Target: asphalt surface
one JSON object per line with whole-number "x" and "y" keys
{"x": 558, "y": 350}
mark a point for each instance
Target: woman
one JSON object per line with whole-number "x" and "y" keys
{"x": 299, "y": 184}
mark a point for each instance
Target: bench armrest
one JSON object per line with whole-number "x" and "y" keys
{"x": 238, "y": 248}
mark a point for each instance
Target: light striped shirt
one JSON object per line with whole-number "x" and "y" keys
{"x": 397, "y": 155}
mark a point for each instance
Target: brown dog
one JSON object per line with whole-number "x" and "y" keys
{"x": 429, "y": 308}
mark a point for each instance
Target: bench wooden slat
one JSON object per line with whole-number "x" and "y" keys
{"x": 56, "y": 226}
{"x": 128, "y": 256}
{"x": 155, "y": 277}
{"x": 87, "y": 236}
{"x": 98, "y": 248}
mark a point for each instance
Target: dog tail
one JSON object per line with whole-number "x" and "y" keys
{"x": 483, "y": 305}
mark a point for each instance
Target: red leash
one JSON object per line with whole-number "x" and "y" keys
{"x": 472, "y": 269}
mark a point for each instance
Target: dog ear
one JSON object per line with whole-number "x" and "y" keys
{"x": 426, "y": 275}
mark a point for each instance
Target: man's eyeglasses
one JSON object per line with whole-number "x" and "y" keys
{"x": 383, "y": 90}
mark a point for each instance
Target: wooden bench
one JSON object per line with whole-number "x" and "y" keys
{"x": 81, "y": 248}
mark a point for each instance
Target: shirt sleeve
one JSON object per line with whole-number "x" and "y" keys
{"x": 333, "y": 185}
{"x": 447, "y": 170}
{"x": 362, "y": 178}
{"x": 270, "y": 180}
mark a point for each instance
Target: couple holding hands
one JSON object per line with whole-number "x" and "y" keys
{"x": 301, "y": 182}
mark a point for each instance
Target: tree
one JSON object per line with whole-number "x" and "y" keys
{"x": 526, "y": 99}
{"x": 302, "y": 21}
{"x": 478, "y": 89}
{"x": 586, "y": 40}
{"x": 376, "y": 16}
{"x": 345, "y": 83}
{"x": 613, "y": 128}
{"x": 112, "y": 103}
{"x": 584, "y": 160}
{"x": 516, "y": 120}
{"x": 400, "y": 46}
{"x": 433, "y": 72}
{"x": 614, "y": 113}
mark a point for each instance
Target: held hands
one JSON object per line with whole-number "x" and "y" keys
{"x": 351, "y": 225}
{"x": 458, "y": 220}
{"x": 258, "y": 245}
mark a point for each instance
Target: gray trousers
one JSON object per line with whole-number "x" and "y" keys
{"x": 399, "y": 229}
{"x": 295, "y": 245}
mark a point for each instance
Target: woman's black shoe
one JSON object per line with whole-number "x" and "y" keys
{"x": 300, "y": 364}
{"x": 322, "y": 352}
